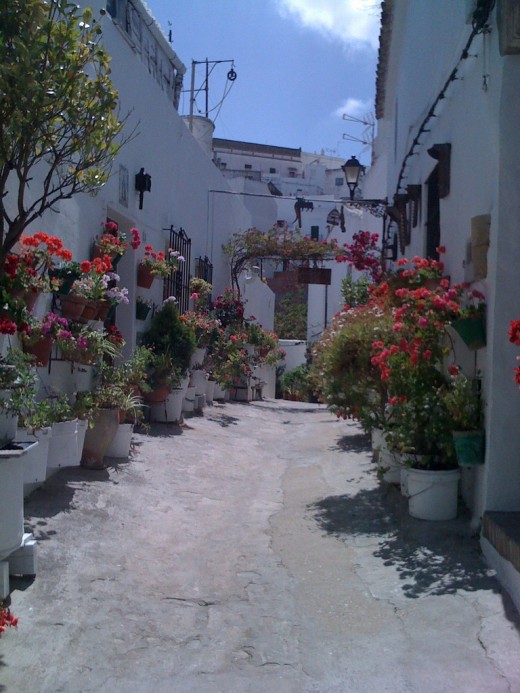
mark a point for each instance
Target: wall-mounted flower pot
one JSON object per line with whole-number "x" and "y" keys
{"x": 472, "y": 330}
{"x": 40, "y": 350}
{"x": 144, "y": 276}
{"x": 314, "y": 275}
{"x": 141, "y": 310}
{"x": 469, "y": 447}
{"x": 72, "y": 306}
{"x": 103, "y": 309}
{"x": 90, "y": 311}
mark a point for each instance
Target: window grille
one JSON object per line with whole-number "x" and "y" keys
{"x": 178, "y": 283}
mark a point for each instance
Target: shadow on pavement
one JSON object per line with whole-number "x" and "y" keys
{"x": 357, "y": 442}
{"x": 431, "y": 558}
{"x": 224, "y": 420}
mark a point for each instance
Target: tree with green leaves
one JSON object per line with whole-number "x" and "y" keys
{"x": 59, "y": 126}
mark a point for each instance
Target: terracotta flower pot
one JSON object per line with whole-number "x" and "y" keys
{"x": 144, "y": 276}
{"x": 90, "y": 311}
{"x": 41, "y": 350}
{"x": 72, "y": 306}
{"x": 160, "y": 394}
{"x": 99, "y": 437}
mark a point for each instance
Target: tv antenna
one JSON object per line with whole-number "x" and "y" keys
{"x": 367, "y": 134}
{"x": 231, "y": 77}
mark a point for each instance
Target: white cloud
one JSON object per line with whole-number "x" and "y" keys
{"x": 353, "y": 22}
{"x": 354, "y": 107}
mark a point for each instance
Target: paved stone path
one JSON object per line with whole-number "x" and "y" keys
{"x": 252, "y": 551}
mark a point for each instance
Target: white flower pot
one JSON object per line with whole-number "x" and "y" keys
{"x": 35, "y": 460}
{"x": 63, "y": 446}
{"x": 219, "y": 392}
{"x": 11, "y": 499}
{"x": 210, "y": 391}
{"x": 171, "y": 409}
{"x": 59, "y": 380}
{"x": 390, "y": 463}
{"x": 188, "y": 404}
{"x": 83, "y": 377}
{"x": 433, "y": 495}
{"x": 82, "y": 430}
{"x": 120, "y": 446}
{"x": 198, "y": 380}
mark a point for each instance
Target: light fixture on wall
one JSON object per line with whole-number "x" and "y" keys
{"x": 143, "y": 183}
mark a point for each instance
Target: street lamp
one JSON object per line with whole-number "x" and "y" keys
{"x": 352, "y": 170}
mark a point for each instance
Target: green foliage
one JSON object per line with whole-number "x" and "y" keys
{"x": 342, "y": 371}
{"x": 355, "y": 291}
{"x": 57, "y": 109}
{"x": 464, "y": 403}
{"x": 290, "y": 318}
{"x": 169, "y": 336}
{"x": 296, "y": 383}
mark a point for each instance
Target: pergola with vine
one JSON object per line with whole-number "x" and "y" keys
{"x": 282, "y": 246}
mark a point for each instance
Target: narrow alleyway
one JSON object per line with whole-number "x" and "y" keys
{"x": 252, "y": 551}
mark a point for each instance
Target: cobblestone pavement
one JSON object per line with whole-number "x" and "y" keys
{"x": 252, "y": 550}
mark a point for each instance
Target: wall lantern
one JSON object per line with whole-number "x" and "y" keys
{"x": 352, "y": 170}
{"x": 143, "y": 183}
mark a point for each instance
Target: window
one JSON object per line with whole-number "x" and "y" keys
{"x": 339, "y": 182}
{"x": 315, "y": 233}
{"x": 433, "y": 219}
{"x": 248, "y": 166}
{"x": 272, "y": 170}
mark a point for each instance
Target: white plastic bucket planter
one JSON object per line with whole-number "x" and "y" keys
{"x": 198, "y": 380}
{"x": 82, "y": 430}
{"x": 210, "y": 391}
{"x": 170, "y": 410}
{"x": 34, "y": 462}
{"x": 390, "y": 463}
{"x": 11, "y": 499}
{"x": 219, "y": 392}
{"x": 63, "y": 447}
{"x": 433, "y": 495}
{"x": 188, "y": 404}
{"x": 120, "y": 445}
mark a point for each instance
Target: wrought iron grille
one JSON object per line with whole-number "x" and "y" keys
{"x": 178, "y": 283}
{"x": 204, "y": 269}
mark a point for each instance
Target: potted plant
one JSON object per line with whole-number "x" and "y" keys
{"x": 295, "y": 384}
{"x": 37, "y": 336}
{"x": 464, "y": 405}
{"x": 64, "y": 439}
{"x": 142, "y": 307}
{"x": 170, "y": 337}
{"x": 470, "y": 321}
{"x": 157, "y": 264}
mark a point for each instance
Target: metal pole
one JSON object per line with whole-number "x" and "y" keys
{"x": 192, "y": 93}
{"x": 207, "y": 88}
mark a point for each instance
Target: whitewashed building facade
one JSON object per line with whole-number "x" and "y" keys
{"x": 448, "y": 154}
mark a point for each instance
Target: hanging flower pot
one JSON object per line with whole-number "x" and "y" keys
{"x": 30, "y": 297}
{"x": 469, "y": 447}
{"x": 72, "y": 306}
{"x": 472, "y": 330}
{"x": 41, "y": 350}
{"x": 142, "y": 310}
{"x": 90, "y": 311}
{"x": 144, "y": 276}
{"x": 103, "y": 309}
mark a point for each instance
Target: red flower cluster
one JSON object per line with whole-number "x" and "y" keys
{"x": 363, "y": 254}
{"x": 136, "y": 238}
{"x": 7, "y": 326}
{"x": 7, "y": 620}
{"x": 53, "y": 245}
{"x": 514, "y": 338}
{"x": 115, "y": 336}
{"x": 98, "y": 265}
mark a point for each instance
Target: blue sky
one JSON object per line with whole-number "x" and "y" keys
{"x": 300, "y": 65}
